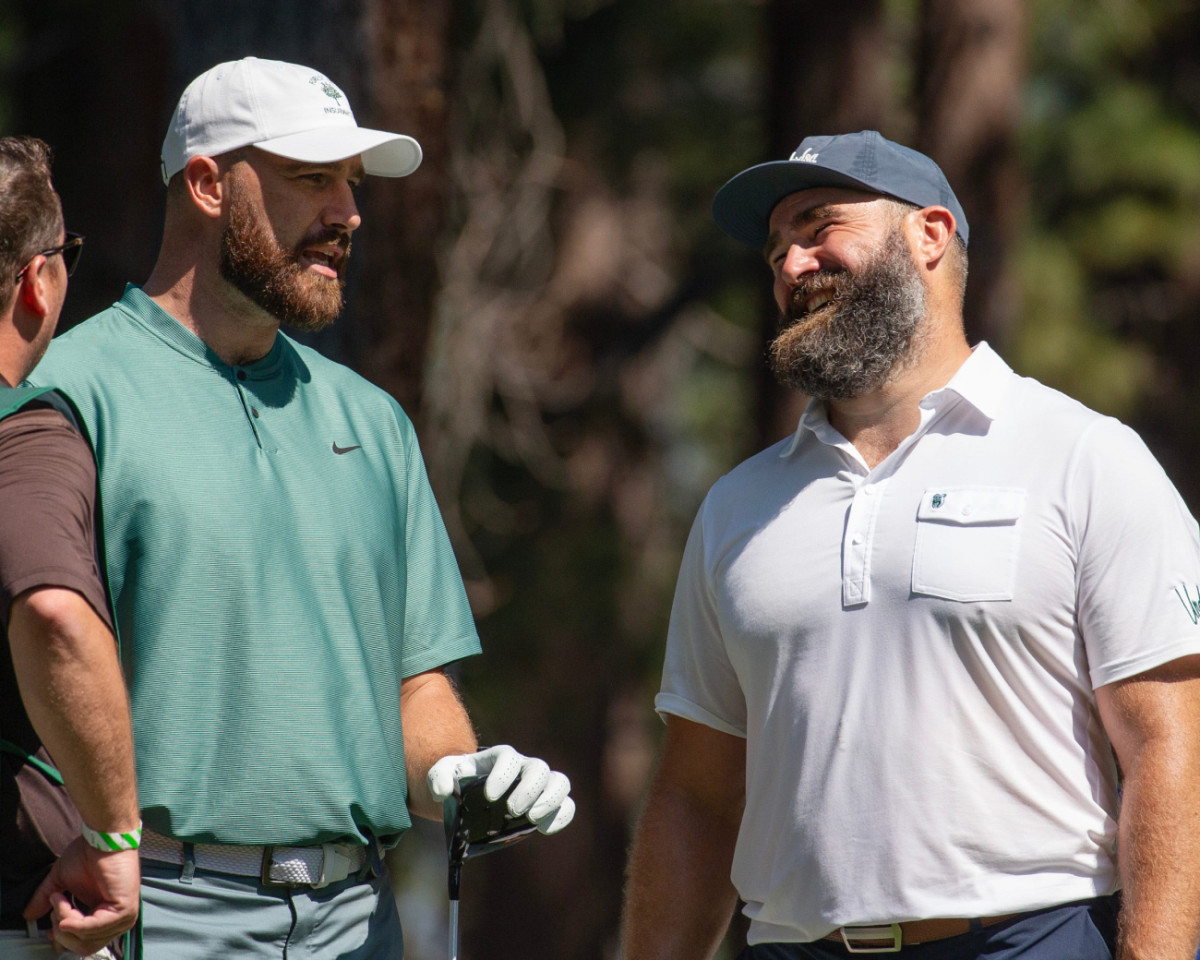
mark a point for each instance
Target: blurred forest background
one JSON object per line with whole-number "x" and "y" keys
{"x": 582, "y": 351}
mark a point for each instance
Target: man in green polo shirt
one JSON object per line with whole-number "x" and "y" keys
{"x": 285, "y": 592}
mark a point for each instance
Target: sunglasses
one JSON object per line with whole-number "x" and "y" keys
{"x": 70, "y": 249}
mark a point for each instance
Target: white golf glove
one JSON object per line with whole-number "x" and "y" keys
{"x": 541, "y": 794}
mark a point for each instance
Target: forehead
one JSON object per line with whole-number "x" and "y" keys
{"x": 261, "y": 159}
{"x": 794, "y": 209}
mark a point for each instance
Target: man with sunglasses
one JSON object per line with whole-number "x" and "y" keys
{"x": 67, "y": 784}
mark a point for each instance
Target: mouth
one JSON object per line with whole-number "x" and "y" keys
{"x": 804, "y": 305}
{"x": 324, "y": 261}
{"x": 818, "y": 300}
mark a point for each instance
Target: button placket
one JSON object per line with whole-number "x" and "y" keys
{"x": 856, "y": 547}
{"x": 248, "y": 407}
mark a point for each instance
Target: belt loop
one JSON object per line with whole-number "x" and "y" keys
{"x": 975, "y": 924}
{"x": 188, "y": 873}
{"x": 373, "y": 863}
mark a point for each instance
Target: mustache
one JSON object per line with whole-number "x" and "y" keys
{"x": 323, "y": 236}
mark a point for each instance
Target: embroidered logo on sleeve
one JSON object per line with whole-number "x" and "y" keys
{"x": 1191, "y": 606}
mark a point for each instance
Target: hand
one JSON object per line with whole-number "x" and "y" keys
{"x": 541, "y": 794}
{"x": 107, "y": 884}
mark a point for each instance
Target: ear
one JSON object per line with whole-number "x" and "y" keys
{"x": 34, "y": 292}
{"x": 935, "y": 228}
{"x": 208, "y": 191}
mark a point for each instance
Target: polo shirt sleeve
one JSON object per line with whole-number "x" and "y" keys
{"x": 1138, "y": 569}
{"x": 699, "y": 680}
{"x": 438, "y": 625}
{"x": 47, "y": 500}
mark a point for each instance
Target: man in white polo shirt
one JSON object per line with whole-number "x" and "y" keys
{"x": 904, "y": 639}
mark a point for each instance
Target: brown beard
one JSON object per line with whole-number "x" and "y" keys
{"x": 254, "y": 262}
{"x": 862, "y": 336}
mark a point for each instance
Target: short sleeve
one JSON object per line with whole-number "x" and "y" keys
{"x": 699, "y": 680}
{"x": 47, "y": 503}
{"x": 1138, "y": 570}
{"x": 438, "y": 625}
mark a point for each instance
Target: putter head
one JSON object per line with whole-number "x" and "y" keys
{"x": 475, "y": 827}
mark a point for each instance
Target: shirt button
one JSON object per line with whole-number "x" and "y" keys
{"x": 254, "y": 410}
{"x": 966, "y": 511}
{"x": 241, "y": 374}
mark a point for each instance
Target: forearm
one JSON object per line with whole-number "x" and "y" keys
{"x": 436, "y": 725}
{"x": 679, "y": 898}
{"x": 70, "y": 681}
{"x": 1159, "y": 854}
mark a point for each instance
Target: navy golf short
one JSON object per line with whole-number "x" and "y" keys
{"x": 1075, "y": 931}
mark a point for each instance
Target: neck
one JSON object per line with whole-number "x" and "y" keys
{"x": 232, "y": 326}
{"x": 19, "y": 351}
{"x": 878, "y": 422}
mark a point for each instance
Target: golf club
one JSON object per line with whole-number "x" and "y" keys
{"x": 475, "y": 827}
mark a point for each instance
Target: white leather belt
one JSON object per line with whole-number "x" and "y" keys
{"x": 316, "y": 866}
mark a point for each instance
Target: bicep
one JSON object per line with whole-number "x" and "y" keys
{"x": 704, "y": 766}
{"x": 1157, "y": 708}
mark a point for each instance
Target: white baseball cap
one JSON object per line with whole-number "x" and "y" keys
{"x": 283, "y": 108}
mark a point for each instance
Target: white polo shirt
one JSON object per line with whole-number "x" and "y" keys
{"x": 910, "y": 653}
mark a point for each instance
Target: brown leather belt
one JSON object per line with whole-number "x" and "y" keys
{"x": 890, "y": 937}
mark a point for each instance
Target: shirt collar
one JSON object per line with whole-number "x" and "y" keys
{"x": 137, "y": 303}
{"x": 982, "y": 381}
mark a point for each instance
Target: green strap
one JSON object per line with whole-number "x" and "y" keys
{"x": 33, "y": 761}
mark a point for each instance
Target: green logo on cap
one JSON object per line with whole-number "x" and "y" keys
{"x": 327, "y": 88}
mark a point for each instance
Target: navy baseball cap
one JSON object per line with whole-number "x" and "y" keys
{"x": 858, "y": 161}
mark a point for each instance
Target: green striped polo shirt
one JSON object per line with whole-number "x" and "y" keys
{"x": 277, "y": 564}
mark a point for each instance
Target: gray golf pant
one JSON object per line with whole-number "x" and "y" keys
{"x": 216, "y": 915}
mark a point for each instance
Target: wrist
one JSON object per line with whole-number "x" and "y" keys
{"x": 110, "y": 842}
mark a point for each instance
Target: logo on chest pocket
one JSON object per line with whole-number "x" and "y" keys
{"x": 967, "y": 543}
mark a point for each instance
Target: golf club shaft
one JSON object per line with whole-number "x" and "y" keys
{"x": 453, "y": 930}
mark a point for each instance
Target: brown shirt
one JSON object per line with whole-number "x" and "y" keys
{"x": 47, "y": 539}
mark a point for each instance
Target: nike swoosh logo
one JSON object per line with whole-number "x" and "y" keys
{"x": 337, "y": 449}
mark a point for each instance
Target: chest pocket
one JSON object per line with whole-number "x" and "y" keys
{"x": 968, "y": 539}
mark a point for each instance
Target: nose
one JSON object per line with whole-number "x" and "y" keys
{"x": 798, "y": 261}
{"x": 342, "y": 212}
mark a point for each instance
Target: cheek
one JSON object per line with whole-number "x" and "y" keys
{"x": 781, "y": 291}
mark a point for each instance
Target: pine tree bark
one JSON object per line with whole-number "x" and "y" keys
{"x": 970, "y": 70}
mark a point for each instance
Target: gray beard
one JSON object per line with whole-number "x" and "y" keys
{"x": 872, "y": 330}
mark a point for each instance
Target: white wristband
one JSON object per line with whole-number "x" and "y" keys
{"x": 109, "y": 842}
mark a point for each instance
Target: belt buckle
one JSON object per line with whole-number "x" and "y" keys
{"x": 890, "y": 931}
{"x": 330, "y": 856}
{"x": 264, "y": 874}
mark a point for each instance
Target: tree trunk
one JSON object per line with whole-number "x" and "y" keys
{"x": 969, "y": 74}
{"x": 411, "y": 65}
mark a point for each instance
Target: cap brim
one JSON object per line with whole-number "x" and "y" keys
{"x": 742, "y": 207}
{"x": 383, "y": 154}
